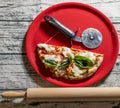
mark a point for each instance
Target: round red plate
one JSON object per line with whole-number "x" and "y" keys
{"x": 74, "y": 16}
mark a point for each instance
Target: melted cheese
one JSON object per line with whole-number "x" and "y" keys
{"x": 53, "y": 57}
{"x": 90, "y": 55}
{"x": 47, "y": 47}
{"x": 76, "y": 70}
{"x": 67, "y": 51}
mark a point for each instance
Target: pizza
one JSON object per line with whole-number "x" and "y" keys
{"x": 69, "y": 63}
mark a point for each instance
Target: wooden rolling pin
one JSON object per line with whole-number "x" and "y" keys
{"x": 68, "y": 94}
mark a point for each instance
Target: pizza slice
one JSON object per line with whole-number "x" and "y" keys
{"x": 69, "y": 63}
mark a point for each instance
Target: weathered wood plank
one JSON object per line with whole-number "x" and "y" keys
{"x": 11, "y": 81}
{"x": 37, "y": 104}
{"x": 112, "y": 9}
{"x": 25, "y": 104}
{"x": 10, "y": 42}
{"x": 19, "y": 10}
{"x": 27, "y": 11}
{"x": 13, "y": 59}
{"x": 12, "y": 35}
{"x": 83, "y": 1}
{"x": 20, "y": 77}
{"x": 15, "y": 29}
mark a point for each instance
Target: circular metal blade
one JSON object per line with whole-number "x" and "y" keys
{"x": 91, "y": 38}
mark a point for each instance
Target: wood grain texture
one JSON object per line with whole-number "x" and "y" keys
{"x": 15, "y": 70}
{"x": 60, "y": 104}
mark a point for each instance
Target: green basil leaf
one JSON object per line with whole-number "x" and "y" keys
{"x": 50, "y": 63}
{"x": 65, "y": 63}
{"x": 83, "y": 62}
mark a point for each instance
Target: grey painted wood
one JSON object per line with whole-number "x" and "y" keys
{"x": 15, "y": 70}
{"x": 61, "y": 105}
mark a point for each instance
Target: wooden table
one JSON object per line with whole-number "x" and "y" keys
{"x": 15, "y": 71}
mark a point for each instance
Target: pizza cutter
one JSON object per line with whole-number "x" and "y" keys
{"x": 91, "y": 37}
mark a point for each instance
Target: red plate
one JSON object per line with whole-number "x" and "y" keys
{"x": 74, "y": 16}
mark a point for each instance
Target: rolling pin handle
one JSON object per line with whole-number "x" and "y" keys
{"x": 13, "y": 94}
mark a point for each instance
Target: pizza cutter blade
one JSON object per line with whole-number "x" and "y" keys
{"x": 91, "y": 37}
